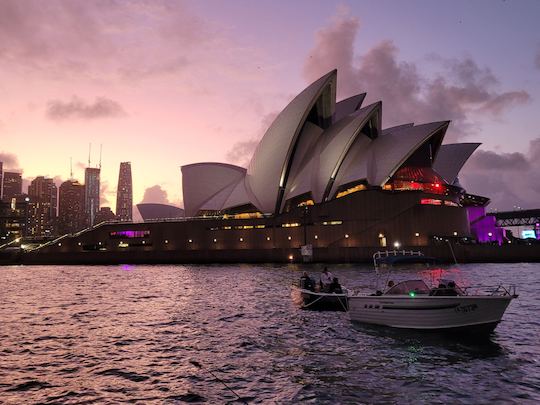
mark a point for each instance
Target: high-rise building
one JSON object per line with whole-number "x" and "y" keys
{"x": 71, "y": 212}
{"x": 91, "y": 195}
{"x": 105, "y": 214}
{"x": 12, "y": 185}
{"x": 124, "y": 193}
{"x": 43, "y": 207}
{"x": 1, "y": 177}
{"x": 14, "y": 216}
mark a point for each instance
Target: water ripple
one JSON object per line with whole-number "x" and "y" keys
{"x": 103, "y": 335}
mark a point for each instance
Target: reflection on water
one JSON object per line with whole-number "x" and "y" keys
{"x": 155, "y": 334}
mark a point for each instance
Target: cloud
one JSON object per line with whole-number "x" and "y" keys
{"x": 155, "y": 194}
{"x": 488, "y": 160}
{"x": 147, "y": 38}
{"x": 241, "y": 152}
{"x": 10, "y": 161}
{"x": 106, "y": 195}
{"x": 508, "y": 179}
{"x": 77, "y": 108}
{"x": 459, "y": 91}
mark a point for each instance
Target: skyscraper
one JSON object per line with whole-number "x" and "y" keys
{"x": 71, "y": 213}
{"x": 1, "y": 177}
{"x": 43, "y": 207}
{"x": 124, "y": 193}
{"x": 12, "y": 185}
{"x": 91, "y": 195}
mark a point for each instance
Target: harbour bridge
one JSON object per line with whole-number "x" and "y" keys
{"x": 517, "y": 218}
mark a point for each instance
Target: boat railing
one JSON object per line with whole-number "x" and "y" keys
{"x": 491, "y": 290}
{"x": 387, "y": 253}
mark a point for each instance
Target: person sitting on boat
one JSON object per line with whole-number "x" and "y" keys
{"x": 306, "y": 282}
{"x": 326, "y": 280}
{"x": 335, "y": 287}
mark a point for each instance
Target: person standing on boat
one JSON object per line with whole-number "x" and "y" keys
{"x": 326, "y": 280}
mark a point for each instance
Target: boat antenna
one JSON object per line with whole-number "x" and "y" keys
{"x": 100, "y": 149}
{"x": 200, "y": 366}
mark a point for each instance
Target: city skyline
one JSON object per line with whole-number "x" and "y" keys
{"x": 214, "y": 74}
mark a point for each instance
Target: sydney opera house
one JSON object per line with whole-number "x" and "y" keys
{"x": 325, "y": 176}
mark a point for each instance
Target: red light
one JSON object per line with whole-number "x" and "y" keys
{"x": 437, "y": 185}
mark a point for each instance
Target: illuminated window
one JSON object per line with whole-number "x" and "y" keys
{"x": 351, "y": 190}
{"x": 190, "y": 241}
{"x": 455, "y": 233}
{"x": 291, "y": 257}
{"x": 451, "y": 204}
{"x": 416, "y": 234}
{"x": 332, "y": 222}
{"x": 166, "y": 241}
{"x": 129, "y": 234}
{"x": 316, "y": 236}
{"x": 290, "y": 225}
{"x": 306, "y": 203}
{"x": 241, "y": 239}
{"x": 215, "y": 240}
{"x": 123, "y": 245}
{"x": 346, "y": 236}
{"x": 430, "y": 201}
{"x": 288, "y": 237}
{"x": 268, "y": 238}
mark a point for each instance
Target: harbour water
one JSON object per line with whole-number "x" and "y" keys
{"x": 113, "y": 334}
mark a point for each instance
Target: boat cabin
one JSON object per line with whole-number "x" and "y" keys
{"x": 409, "y": 287}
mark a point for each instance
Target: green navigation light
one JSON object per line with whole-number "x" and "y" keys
{"x": 412, "y": 294}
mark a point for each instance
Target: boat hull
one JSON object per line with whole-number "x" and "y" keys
{"x": 452, "y": 314}
{"x": 316, "y": 301}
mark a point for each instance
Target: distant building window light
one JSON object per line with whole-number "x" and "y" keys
{"x": 129, "y": 234}
{"x": 190, "y": 240}
{"x": 289, "y": 238}
{"x": 430, "y": 201}
{"x": 123, "y": 245}
{"x": 290, "y": 225}
{"x": 241, "y": 239}
{"x": 215, "y": 240}
{"x": 316, "y": 236}
{"x": 417, "y": 234}
{"x": 268, "y": 238}
{"x": 346, "y": 236}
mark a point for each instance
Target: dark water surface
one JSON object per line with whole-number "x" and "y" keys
{"x": 112, "y": 334}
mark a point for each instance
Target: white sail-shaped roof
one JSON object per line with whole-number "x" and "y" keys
{"x": 208, "y": 185}
{"x": 451, "y": 158}
{"x": 386, "y": 131}
{"x": 270, "y": 165}
{"x": 389, "y": 152}
{"x": 348, "y": 106}
{"x": 338, "y": 139}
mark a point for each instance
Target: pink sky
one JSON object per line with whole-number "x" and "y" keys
{"x": 167, "y": 83}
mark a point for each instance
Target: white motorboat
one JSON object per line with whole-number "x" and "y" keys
{"x": 413, "y": 305}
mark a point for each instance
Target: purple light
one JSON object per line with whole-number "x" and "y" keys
{"x": 129, "y": 234}
{"x": 127, "y": 267}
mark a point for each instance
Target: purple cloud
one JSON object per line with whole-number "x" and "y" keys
{"x": 77, "y": 108}
{"x": 459, "y": 91}
{"x": 509, "y": 179}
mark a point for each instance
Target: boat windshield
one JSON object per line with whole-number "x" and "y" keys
{"x": 408, "y": 287}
